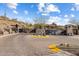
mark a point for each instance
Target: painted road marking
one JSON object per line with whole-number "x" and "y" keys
{"x": 40, "y": 36}
{"x": 51, "y": 46}
{"x": 54, "y": 48}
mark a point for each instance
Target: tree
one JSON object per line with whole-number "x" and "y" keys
{"x": 40, "y": 20}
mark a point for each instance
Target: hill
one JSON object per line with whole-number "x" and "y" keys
{"x": 5, "y": 21}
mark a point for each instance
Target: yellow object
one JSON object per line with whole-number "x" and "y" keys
{"x": 47, "y": 36}
{"x": 39, "y": 36}
{"x": 34, "y": 36}
{"x": 52, "y": 46}
{"x": 55, "y": 50}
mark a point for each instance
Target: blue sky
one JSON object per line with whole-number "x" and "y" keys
{"x": 59, "y": 13}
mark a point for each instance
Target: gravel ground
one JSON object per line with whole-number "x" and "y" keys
{"x": 26, "y": 45}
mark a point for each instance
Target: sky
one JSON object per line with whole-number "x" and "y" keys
{"x": 59, "y": 13}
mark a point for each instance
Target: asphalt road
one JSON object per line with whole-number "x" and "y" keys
{"x": 26, "y": 45}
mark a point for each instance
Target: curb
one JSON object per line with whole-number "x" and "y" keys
{"x": 8, "y": 35}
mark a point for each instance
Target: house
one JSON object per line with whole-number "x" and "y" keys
{"x": 53, "y": 32}
{"x": 53, "y": 29}
{"x": 72, "y": 29}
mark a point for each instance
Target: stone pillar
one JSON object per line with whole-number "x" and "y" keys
{"x": 10, "y": 29}
{"x": 69, "y": 30}
{"x": 40, "y": 31}
{"x": 17, "y": 28}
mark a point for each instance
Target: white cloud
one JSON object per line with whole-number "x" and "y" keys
{"x": 29, "y": 20}
{"x": 14, "y": 11}
{"x": 26, "y": 12}
{"x": 47, "y": 8}
{"x": 44, "y": 14}
{"x": 12, "y": 5}
{"x": 52, "y": 8}
{"x": 57, "y": 20}
{"x": 66, "y": 16}
{"x": 77, "y": 3}
{"x": 75, "y": 7}
{"x": 41, "y": 6}
{"x": 72, "y": 15}
{"x": 72, "y": 9}
{"x": 65, "y": 21}
{"x": 54, "y": 19}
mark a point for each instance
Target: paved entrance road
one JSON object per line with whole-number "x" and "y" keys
{"x": 25, "y": 45}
